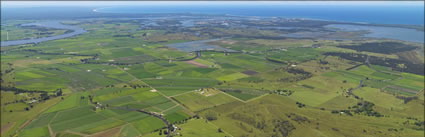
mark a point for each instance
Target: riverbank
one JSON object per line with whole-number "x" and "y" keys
{"x": 48, "y": 24}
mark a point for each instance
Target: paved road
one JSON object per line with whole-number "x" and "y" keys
{"x": 350, "y": 92}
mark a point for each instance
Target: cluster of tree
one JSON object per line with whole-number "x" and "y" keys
{"x": 59, "y": 92}
{"x": 323, "y": 62}
{"x": 260, "y": 124}
{"x": 86, "y": 60}
{"x": 347, "y": 112}
{"x": 110, "y": 86}
{"x": 301, "y": 75}
{"x": 420, "y": 125}
{"x": 17, "y": 90}
{"x": 335, "y": 129}
{"x": 121, "y": 35}
{"x": 282, "y": 128}
{"x": 353, "y": 67}
{"x": 366, "y": 108}
{"x": 297, "y": 118}
{"x": 198, "y": 53}
{"x": 161, "y": 132}
{"x": 183, "y": 121}
{"x": 298, "y": 71}
{"x": 395, "y": 64}
{"x": 47, "y": 33}
{"x": 138, "y": 86}
{"x": 284, "y": 92}
{"x": 19, "y": 101}
{"x": 307, "y": 86}
{"x": 28, "y": 108}
{"x": 299, "y": 104}
{"x": 102, "y": 107}
{"x": 211, "y": 115}
{"x": 7, "y": 71}
{"x": 407, "y": 99}
{"x": 43, "y": 95}
{"x": 325, "y": 68}
{"x": 231, "y": 90}
{"x": 275, "y": 60}
{"x": 47, "y": 53}
{"x": 91, "y": 99}
{"x": 380, "y": 47}
{"x": 247, "y": 118}
{"x": 393, "y": 129}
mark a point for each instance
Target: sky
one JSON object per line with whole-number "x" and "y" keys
{"x": 11, "y": 4}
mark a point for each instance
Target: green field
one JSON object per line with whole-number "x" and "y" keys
{"x": 170, "y": 86}
{"x": 148, "y": 124}
{"x": 196, "y": 102}
{"x": 264, "y": 85}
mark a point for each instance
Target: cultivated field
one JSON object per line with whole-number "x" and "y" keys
{"x": 121, "y": 79}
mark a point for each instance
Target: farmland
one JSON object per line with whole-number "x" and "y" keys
{"x": 244, "y": 82}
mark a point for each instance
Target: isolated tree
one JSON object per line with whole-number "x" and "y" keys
{"x": 90, "y": 98}
{"x": 196, "y": 116}
{"x": 211, "y": 116}
{"x": 402, "y": 66}
{"x": 59, "y": 92}
{"x": 219, "y": 130}
{"x": 44, "y": 96}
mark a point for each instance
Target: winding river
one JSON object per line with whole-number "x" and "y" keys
{"x": 48, "y": 24}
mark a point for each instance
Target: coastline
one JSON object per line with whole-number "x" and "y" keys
{"x": 280, "y": 12}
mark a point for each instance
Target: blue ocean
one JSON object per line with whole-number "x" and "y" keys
{"x": 374, "y": 13}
